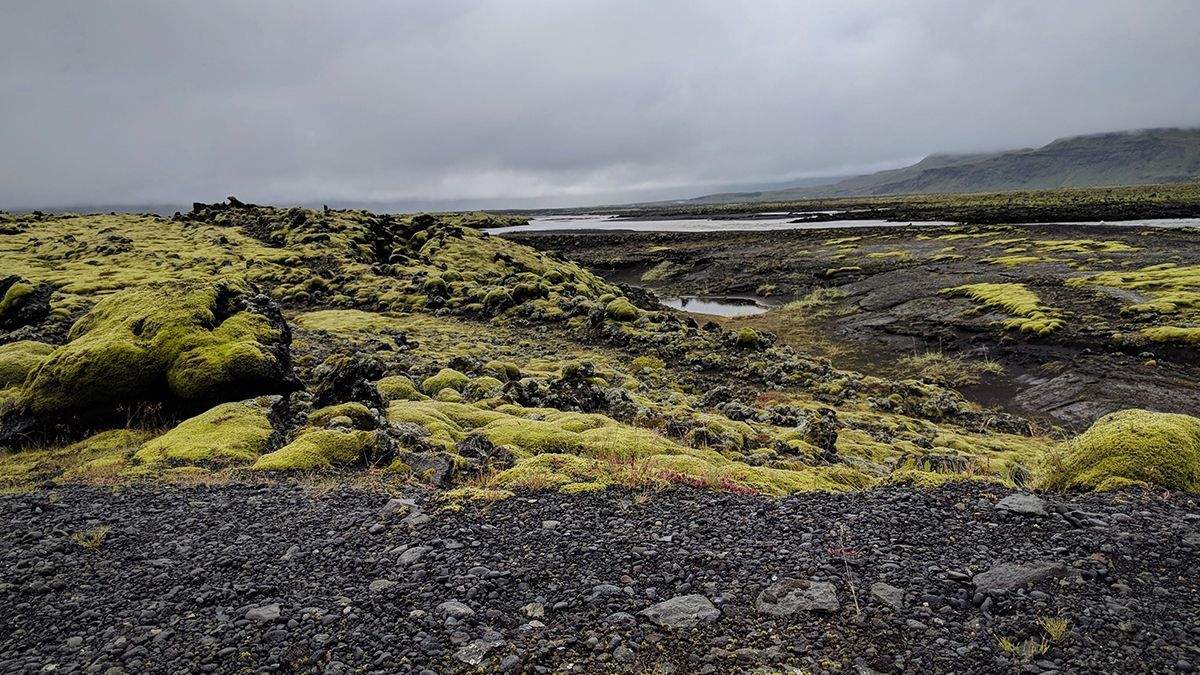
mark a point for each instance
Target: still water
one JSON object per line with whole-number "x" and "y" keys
{"x": 720, "y": 306}
{"x": 764, "y": 222}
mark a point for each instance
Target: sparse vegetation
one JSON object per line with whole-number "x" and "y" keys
{"x": 954, "y": 370}
{"x": 1031, "y": 316}
{"x": 1055, "y": 627}
{"x": 92, "y": 539}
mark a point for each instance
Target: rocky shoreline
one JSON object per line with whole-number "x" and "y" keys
{"x": 279, "y": 577}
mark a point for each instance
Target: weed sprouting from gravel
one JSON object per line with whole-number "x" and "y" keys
{"x": 1055, "y": 627}
{"x": 1025, "y": 650}
{"x": 845, "y": 553}
{"x": 91, "y": 539}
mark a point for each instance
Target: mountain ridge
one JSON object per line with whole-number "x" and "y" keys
{"x": 1138, "y": 157}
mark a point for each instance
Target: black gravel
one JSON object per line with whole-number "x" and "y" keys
{"x": 187, "y": 579}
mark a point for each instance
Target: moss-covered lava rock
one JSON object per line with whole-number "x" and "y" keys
{"x": 22, "y": 303}
{"x": 230, "y": 433}
{"x": 192, "y": 341}
{"x": 1133, "y": 447}
{"x": 319, "y": 449}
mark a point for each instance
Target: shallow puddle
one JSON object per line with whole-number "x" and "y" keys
{"x": 720, "y": 306}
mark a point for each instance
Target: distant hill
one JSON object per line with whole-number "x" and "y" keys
{"x": 1121, "y": 158}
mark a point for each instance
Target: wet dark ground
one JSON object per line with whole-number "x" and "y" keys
{"x": 892, "y": 307}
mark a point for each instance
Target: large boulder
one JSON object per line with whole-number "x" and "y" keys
{"x": 789, "y": 596}
{"x": 684, "y": 611}
{"x": 1006, "y": 576}
{"x": 189, "y": 342}
{"x": 1130, "y": 448}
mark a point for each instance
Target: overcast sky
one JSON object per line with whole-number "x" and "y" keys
{"x": 555, "y": 102}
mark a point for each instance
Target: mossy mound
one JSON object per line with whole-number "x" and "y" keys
{"x": 399, "y": 388}
{"x": 504, "y": 370}
{"x": 191, "y": 341}
{"x": 746, "y": 338}
{"x": 446, "y": 378}
{"x": 482, "y": 387}
{"x": 359, "y": 415}
{"x": 622, "y": 310}
{"x": 319, "y": 449}
{"x": 574, "y": 452}
{"x": 1130, "y": 447}
{"x": 231, "y": 433}
{"x": 18, "y": 359}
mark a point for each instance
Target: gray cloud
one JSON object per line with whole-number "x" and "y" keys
{"x": 554, "y": 101}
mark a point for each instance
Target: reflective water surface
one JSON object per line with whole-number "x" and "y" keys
{"x": 717, "y": 305}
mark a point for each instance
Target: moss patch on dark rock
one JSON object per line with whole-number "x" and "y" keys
{"x": 192, "y": 341}
{"x": 1130, "y": 448}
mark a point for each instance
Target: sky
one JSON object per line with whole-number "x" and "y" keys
{"x": 524, "y": 103}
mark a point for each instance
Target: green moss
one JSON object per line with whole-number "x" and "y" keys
{"x": 318, "y": 449}
{"x": 497, "y": 299}
{"x": 839, "y": 271}
{"x": 446, "y": 378}
{"x": 138, "y": 343}
{"x": 1132, "y": 445}
{"x": 231, "y": 433}
{"x": 399, "y": 388}
{"x": 643, "y": 363}
{"x": 1172, "y": 289}
{"x": 465, "y": 415}
{"x": 13, "y": 297}
{"x": 346, "y": 321}
{"x": 448, "y": 395}
{"x": 504, "y": 371}
{"x": 1185, "y": 335}
{"x": 930, "y": 479}
{"x": 1016, "y": 299}
{"x": 1011, "y": 261}
{"x": 524, "y": 437}
{"x": 622, "y": 310}
{"x": 662, "y": 271}
{"x": 1083, "y": 246}
{"x": 359, "y": 415}
{"x": 747, "y": 338}
{"x": 19, "y": 359}
{"x": 443, "y": 430}
{"x": 484, "y": 386}
{"x": 434, "y": 286}
{"x": 102, "y": 457}
{"x": 236, "y": 351}
{"x": 573, "y": 369}
{"x": 548, "y": 470}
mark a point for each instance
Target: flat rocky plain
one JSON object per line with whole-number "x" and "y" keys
{"x": 886, "y": 299}
{"x": 280, "y": 577}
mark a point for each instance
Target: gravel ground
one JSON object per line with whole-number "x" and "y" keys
{"x": 267, "y": 578}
